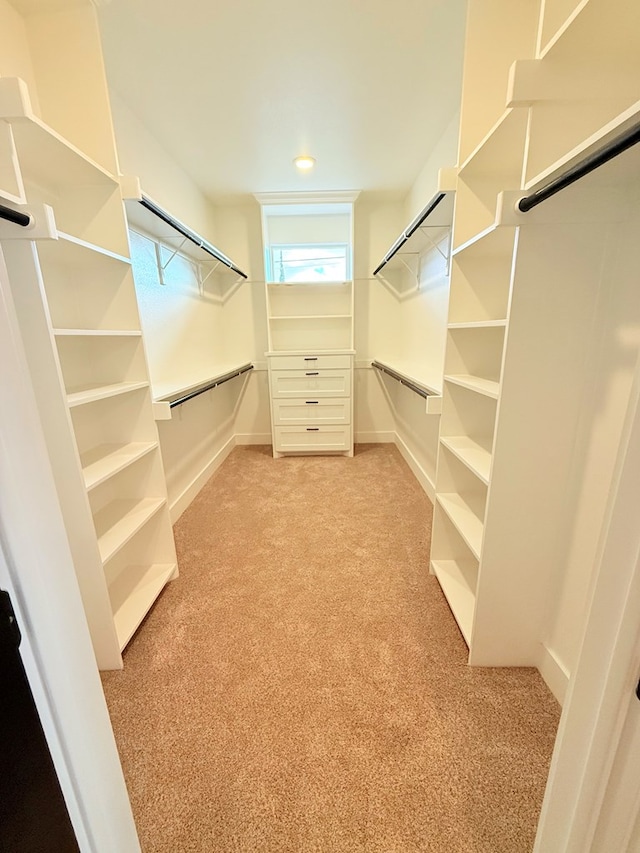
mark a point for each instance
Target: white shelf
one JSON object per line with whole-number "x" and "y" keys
{"x": 499, "y": 153}
{"x": 456, "y": 580}
{"x": 310, "y": 317}
{"x": 464, "y": 519}
{"x": 102, "y": 462}
{"x": 603, "y": 136}
{"x": 48, "y": 158}
{"x": 432, "y": 385}
{"x": 471, "y": 454}
{"x": 81, "y": 396}
{"x": 132, "y": 594}
{"x": 98, "y": 333}
{"x": 488, "y": 387}
{"x": 120, "y": 520}
{"x": 479, "y": 324}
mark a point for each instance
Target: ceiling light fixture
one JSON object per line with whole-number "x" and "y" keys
{"x": 304, "y": 163}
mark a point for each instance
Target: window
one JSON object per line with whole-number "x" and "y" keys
{"x": 314, "y": 262}
{"x": 307, "y": 239}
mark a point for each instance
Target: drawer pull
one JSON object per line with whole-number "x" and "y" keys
{"x": 311, "y": 358}
{"x": 313, "y": 429}
{"x": 312, "y": 373}
{"x": 311, "y": 402}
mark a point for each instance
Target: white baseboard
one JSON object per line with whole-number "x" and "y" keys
{"x": 420, "y": 474}
{"x": 554, "y": 673}
{"x": 178, "y": 506}
{"x": 372, "y": 437}
{"x": 245, "y": 438}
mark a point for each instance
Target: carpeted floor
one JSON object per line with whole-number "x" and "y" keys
{"x": 303, "y": 687}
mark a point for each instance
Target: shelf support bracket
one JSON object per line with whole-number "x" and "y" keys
{"x": 162, "y": 266}
{"x": 434, "y": 245}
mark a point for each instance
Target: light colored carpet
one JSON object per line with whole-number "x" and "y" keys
{"x": 303, "y": 686}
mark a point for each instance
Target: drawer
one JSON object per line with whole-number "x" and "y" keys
{"x": 297, "y": 439}
{"x": 311, "y": 361}
{"x": 312, "y": 384}
{"x": 312, "y": 411}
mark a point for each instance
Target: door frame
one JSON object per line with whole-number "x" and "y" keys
{"x": 604, "y": 682}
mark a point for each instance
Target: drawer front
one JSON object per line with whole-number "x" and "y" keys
{"x": 312, "y": 384}
{"x": 312, "y": 411}
{"x": 297, "y": 439}
{"x": 311, "y": 361}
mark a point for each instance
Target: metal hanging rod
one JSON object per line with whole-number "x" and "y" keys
{"x": 22, "y": 219}
{"x": 190, "y": 235}
{"x": 417, "y": 222}
{"x": 612, "y": 149}
{"x": 179, "y": 398}
{"x": 401, "y": 379}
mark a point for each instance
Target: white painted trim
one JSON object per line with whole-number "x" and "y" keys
{"x": 372, "y": 437}
{"x": 247, "y": 438}
{"x": 602, "y": 687}
{"x": 179, "y": 504}
{"x": 554, "y": 673}
{"x": 421, "y": 475}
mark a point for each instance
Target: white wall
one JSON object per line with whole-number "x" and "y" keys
{"x": 407, "y": 331}
{"x": 191, "y": 336}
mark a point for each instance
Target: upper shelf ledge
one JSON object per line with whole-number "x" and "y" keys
{"x": 437, "y": 213}
{"x": 148, "y": 215}
{"x": 44, "y": 156}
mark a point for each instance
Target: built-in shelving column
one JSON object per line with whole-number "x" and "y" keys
{"x": 492, "y": 143}
{"x": 72, "y": 285}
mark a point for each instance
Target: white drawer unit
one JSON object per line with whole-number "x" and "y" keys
{"x": 311, "y": 403}
{"x": 312, "y": 439}
{"x": 316, "y": 383}
{"x": 294, "y": 412}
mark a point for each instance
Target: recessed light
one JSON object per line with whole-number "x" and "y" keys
{"x": 304, "y": 163}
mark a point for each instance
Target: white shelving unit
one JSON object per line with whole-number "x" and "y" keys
{"x": 73, "y": 289}
{"x": 540, "y": 92}
{"x": 401, "y": 267}
{"x": 310, "y": 358}
{"x": 218, "y": 276}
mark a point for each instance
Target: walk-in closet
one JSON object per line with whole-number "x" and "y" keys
{"x": 320, "y": 445}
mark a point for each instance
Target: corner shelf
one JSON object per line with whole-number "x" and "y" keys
{"x": 488, "y": 387}
{"x": 457, "y": 582}
{"x": 82, "y": 396}
{"x": 132, "y": 594}
{"x": 102, "y": 462}
{"x": 120, "y": 520}
{"x": 471, "y": 454}
{"x": 464, "y": 519}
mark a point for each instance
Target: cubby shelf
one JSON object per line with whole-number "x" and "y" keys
{"x": 488, "y": 387}
{"x": 280, "y": 317}
{"x": 464, "y": 519}
{"x": 120, "y": 520}
{"x": 48, "y": 158}
{"x": 132, "y": 594}
{"x": 97, "y": 333}
{"x": 471, "y": 454}
{"x": 479, "y": 324}
{"x": 456, "y": 581}
{"x": 81, "y": 396}
{"x": 75, "y": 252}
{"x": 102, "y": 462}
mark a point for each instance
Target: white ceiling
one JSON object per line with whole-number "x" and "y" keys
{"x": 235, "y": 89}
